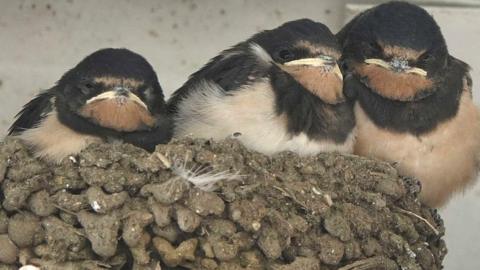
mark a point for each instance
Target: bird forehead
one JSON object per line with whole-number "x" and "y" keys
{"x": 112, "y": 81}
{"x": 318, "y": 49}
{"x": 398, "y": 24}
{"x": 400, "y": 51}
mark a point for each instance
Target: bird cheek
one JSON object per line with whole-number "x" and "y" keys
{"x": 325, "y": 85}
{"x": 71, "y": 98}
{"x": 393, "y": 85}
{"x": 125, "y": 117}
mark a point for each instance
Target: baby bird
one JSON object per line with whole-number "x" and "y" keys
{"x": 414, "y": 101}
{"x": 111, "y": 94}
{"x": 280, "y": 90}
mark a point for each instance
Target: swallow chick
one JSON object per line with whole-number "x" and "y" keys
{"x": 414, "y": 101}
{"x": 281, "y": 90}
{"x": 111, "y": 94}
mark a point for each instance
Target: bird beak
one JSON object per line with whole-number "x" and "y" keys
{"x": 397, "y": 66}
{"x": 323, "y": 61}
{"x": 118, "y": 93}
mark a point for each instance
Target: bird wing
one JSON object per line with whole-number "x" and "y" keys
{"x": 160, "y": 134}
{"x": 230, "y": 70}
{"x": 461, "y": 69}
{"x": 468, "y": 83}
{"x": 33, "y": 112}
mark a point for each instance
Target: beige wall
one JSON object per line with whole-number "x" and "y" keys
{"x": 40, "y": 40}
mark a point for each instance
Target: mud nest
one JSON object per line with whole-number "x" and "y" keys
{"x": 115, "y": 206}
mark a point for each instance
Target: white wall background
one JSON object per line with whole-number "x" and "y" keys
{"x": 40, "y": 40}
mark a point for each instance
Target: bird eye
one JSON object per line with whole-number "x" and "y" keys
{"x": 286, "y": 55}
{"x": 86, "y": 88}
{"x": 425, "y": 57}
{"x": 373, "y": 48}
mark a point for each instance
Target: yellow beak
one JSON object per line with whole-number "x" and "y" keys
{"x": 384, "y": 64}
{"x": 113, "y": 94}
{"x": 316, "y": 62}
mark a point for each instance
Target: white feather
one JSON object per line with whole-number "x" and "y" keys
{"x": 201, "y": 179}
{"x": 197, "y": 175}
{"x": 29, "y": 267}
{"x": 208, "y": 112}
{"x": 261, "y": 53}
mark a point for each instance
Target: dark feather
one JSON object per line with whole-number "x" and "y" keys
{"x": 147, "y": 140}
{"x": 81, "y": 124}
{"x": 241, "y": 66}
{"x": 308, "y": 114}
{"x": 466, "y": 68}
{"x": 419, "y": 116}
{"x": 231, "y": 70}
{"x": 33, "y": 112}
{"x": 468, "y": 77}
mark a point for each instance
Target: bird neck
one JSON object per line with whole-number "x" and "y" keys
{"x": 417, "y": 116}
{"x": 307, "y": 113}
{"x": 80, "y": 124}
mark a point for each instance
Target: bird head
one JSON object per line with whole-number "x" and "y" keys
{"x": 307, "y": 52}
{"x": 112, "y": 88}
{"x": 397, "y": 49}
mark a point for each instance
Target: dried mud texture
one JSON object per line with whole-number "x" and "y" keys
{"x": 118, "y": 207}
